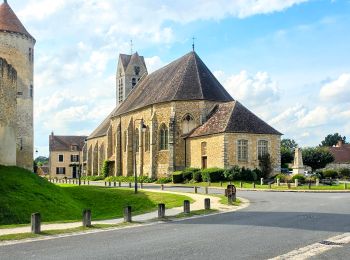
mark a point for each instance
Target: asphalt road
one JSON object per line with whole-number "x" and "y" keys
{"x": 274, "y": 224}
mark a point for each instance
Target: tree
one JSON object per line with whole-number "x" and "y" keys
{"x": 287, "y": 151}
{"x": 265, "y": 165}
{"x": 317, "y": 157}
{"x": 332, "y": 139}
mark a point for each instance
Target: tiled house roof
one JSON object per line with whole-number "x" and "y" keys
{"x": 64, "y": 143}
{"x": 233, "y": 117}
{"x": 341, "y": 153}
{"x": 186, "y": 78}
{"x": 9, "y": 21}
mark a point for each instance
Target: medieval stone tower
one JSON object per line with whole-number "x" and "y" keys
{"x": 130, "y": 70}
{"x": 17, "y": 48}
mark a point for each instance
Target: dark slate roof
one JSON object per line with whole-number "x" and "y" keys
{"x": 9, "y": 21}
{"x": 125, "y": 59}
{"x": 186, "y": 78}
{"x": 64, "y": 143}
{"x": 102, "y": 129}
{"x": 233, "y": 117}
{"x": 341, "y": 153}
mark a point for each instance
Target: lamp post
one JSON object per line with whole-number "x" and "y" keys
{"x": 144, "y": 128}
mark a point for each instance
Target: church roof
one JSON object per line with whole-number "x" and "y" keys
{"x": 233, "y": 117}
{"x": 9, "y": 21}
{"x": 64, "y": 143}
{"x": 186, "y": 78}
{"x": 102, "y": 129}
{"x": 126, "y": 59}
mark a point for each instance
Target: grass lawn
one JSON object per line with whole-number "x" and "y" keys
{"x": 249, "y": 185}
{"x": 23, "y": 193}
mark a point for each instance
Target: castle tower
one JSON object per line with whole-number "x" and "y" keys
{"x": 8, "y": 113}
{"x": 130, "y": 70}
{"x": 17, "y": 47}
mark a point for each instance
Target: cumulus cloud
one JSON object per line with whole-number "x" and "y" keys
{"x": 153, "y": 63}
{"x": 337, "y": 90}
{"x": 252, "y": 89}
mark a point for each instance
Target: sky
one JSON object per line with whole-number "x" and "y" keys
{"x": 286, "y": 60}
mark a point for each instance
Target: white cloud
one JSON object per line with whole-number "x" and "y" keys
{"x": 153, "y": 63}
{"x": 41, "y": 9}
{"x": 316, "y": 117}
{"x": 337, "y": 90}
{"x": 258, "y": 89}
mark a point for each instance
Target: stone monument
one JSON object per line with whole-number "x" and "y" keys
{"x": 298, "y": 166}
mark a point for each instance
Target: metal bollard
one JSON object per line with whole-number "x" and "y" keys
{"x": 207, "y": 204}
{"x": 187, "y": 209}
{"x": 141, "y": 185}
{"x": 86, "y": 218}
{"x": 36, "y": 223}
{"x": 220, "y": 183}
{"x": 88, "y": 182}
{"x": 127, "y": 214}
{"x": 161, "y": 210}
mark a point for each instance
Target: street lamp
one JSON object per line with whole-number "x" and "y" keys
{"x": 144, "y": 128}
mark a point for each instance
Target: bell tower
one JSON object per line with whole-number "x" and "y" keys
{"x": 17, "y": 48}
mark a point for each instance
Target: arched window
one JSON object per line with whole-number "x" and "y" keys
{"x": 188, "y": 124}
{"x": 147, "y": 139}
{"x": 133, "y": 82}
{"x": 242, "y": 150}
{"x": 262, "y": 148}
{"x": 163, "y": 137}
{"x": 137, "y": 139}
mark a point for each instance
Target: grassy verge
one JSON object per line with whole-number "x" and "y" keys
{"x": 196, "y": 213}
{"x": 22, "y": 236}
{"x": 249, "y": 185}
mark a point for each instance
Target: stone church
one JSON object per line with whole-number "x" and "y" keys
{"x": 176, "y": 117}
{"x": 16, "y": 90}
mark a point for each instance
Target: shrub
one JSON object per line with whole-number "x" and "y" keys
{"x": 177, "y": 177}
{"x": 344, "y": 173}
{"x": 233, "y": 173}
{"x": 259, "y": 173}
{"x": 300, "y": 177}
{"x": 265, "y": 164}
{"x": 92, "y": 178}
{"x": 248, "y": 175}
{"x": 187, "y": 174}
{"x": 197, "y": 176}
{"x": 121, "y": 179}
{"x": 213, "y": 174}
{"x": 106, "y": 168}
{"x": 164, "y": 180}
{"x": 330, "y": 174}
{"x": 282, "y": 177}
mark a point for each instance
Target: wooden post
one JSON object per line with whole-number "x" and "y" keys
{"x": 187, "y": 207}
{"x": 86, "y": 218}
{"x": 162, "y": 187}
{"x": 127, "y": 214}
{"x": 36, "y": 223}
{"x": 241, "y": 185}
{"x": 161, "y": 210}
{"x": 120, "y": 184}
{"x": 129, "y": 184}
{"x": 207, "y": 204}
{"x": 206, "y": 190}
{"x": 195, "y": 189}
{"x": 253, "y": 185}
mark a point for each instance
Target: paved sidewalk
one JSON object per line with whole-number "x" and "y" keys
{"x": 198, "y": 204}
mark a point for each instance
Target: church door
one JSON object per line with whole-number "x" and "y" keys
{"x": 204, "y": 162}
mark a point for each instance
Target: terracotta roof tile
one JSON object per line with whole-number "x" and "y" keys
{"x": 9, "y": 21}
{"x": 341, "y": 154}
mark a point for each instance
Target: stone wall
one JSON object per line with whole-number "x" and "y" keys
{"x": 8, "y": 113}
{"x": 18, "y": 50}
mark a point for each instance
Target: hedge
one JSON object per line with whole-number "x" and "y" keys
{"x": 213, "y": 174}
{"x": 330, "y": 174}
{"x": 177, "y": 177}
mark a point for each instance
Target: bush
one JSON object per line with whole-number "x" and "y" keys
{"x": 282, "y": 177}
{"x": 213, "y": 174}
{"x": 187, "y": 174}
{"x": 344, "y": 173}
{"x": 92, "y": 178}
{"x": 259, "y": 173}
{"x": 300, "y": 177}
{"x": 164, "y": 180}
{"x": 233, "y": 173}
{"x": 265, "y": 164}
{"x": 121, "y": 179}
{"x": 197, "y": 176}
{"x": 330, "y": 174}
{"x": 177, "y": 177}
{"x": 248, "y": 175}
{"x": 106, "y": 168}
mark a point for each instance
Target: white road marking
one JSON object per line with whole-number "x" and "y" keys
{"x": 317, "y": 248}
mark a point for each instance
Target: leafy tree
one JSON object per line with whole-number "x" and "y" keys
{"x": 234, "y": 173}
{"x": 317, "y": 157}
{"x": 332, "y": 139}
{"x": 289, "y": 144}
{"x": 42, "y": 159}
{"x": 265, "y": 165}
{"x": 106, "y": 168}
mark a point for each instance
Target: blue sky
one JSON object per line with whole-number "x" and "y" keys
{"x": 286, "y": 60}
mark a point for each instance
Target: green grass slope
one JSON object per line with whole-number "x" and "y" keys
{"x": 23, "y": 193}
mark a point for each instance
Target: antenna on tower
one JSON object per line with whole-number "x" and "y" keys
{"x": 131, "y": 47}
{"x": 193, "y": 39}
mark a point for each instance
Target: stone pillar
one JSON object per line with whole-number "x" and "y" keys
{"x": 87, "y": 218}
{"x": 278, "y": 182}
{"x": 317, "y": 182}
{"x": 161, "y": 211}
{"x": 36, "y": 223}
{"x": 298, "y": 166}
{"x": 171, "y": 146}
{"x": 127, "y": 214}
{"x": 207, "y": 204}
{"x": 153, "y": 146}
{"x": 262, "y": 181}
{"x": 296, "y": 182}
{"x": 187, "y": 209}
